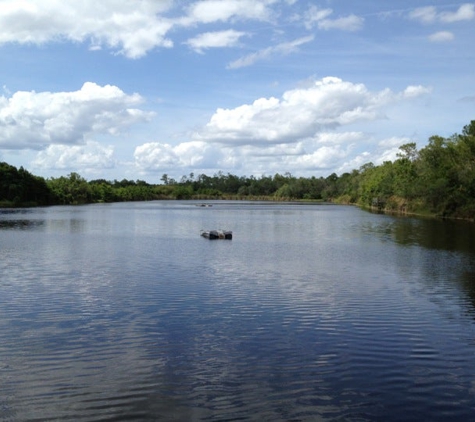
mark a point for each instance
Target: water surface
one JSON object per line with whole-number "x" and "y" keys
{"x": 312, "y": 312}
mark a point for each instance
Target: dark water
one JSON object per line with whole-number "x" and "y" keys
{"x": 312, "y": 312}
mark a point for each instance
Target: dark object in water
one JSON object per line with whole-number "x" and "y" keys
{"x": 217, "y": 234}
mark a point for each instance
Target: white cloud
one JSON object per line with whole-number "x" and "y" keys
{"x": 322, "y": 158}
{"x": 413, "y": 91}
{"x": 304, "y": 156}
{"x": 208, "y": 11}
{"x": 304, "y": 130}
{"x": 134, "y": 28}
{"x": 280, "y": 49}
{"x": 320, "y": 17}
{"x": 92, "y": 155}
{"x": 424, "y": 14}
{"x": 32, "y": 120}
{"x": 390, "y": 154}
{"x": 354, "y": 162}
{"x": 339, "y": 137}
{"x": 466, "y": 12}
{"x": 301, "y": 113}
{"x": 197, "y": 154}
{"x": 228, "y": 38}
{"x": 280, "y": 150}
{"x": 156, "y": 156}
{"x": 325, "y": 153}
{"x": 199, "y": 157}
{"x": 348, "y": 23}
{"x": 381, "y": 151}
{"x": 429, "y": 14}
{"x": 130, "y": 27}
{"x": 315, "y": 15}
{"x": 442, "y": 36}
{"x": 394, "y": 142}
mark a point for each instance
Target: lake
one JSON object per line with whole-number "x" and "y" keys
{"x": 312, "y": 312}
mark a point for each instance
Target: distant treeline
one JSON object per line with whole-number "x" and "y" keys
{"x": 438, "y": 179}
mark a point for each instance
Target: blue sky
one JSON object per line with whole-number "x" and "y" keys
{"x": 138, "y": 88}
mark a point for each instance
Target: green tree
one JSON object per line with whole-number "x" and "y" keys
{"x": 20, "y": 187}
{"x": 437, "y": 171}
{"x": 377, "y": 184}
{"x": 70, "y": 190}
{"x": 405, "y": 172}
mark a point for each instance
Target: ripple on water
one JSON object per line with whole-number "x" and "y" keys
{"x": 148, "y": 323}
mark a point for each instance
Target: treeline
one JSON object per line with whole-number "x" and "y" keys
{"x": 438, "y": 179}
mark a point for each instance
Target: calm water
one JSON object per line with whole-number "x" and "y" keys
{"x": 312, "y": 312}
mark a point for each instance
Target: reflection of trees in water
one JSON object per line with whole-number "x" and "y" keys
{"x": 456, "y": 236}
{"x": 443, "y": 250}
{"x": 21, "y": 224}
{"x": 17, "y": 218}
{"x": 467, "y": 282}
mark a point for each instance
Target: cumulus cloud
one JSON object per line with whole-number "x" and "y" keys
{"x": 156, "y": 156}
{"x": 305, "y": 129}
{"x": 326, "y": 152}
{"x": 132, "y": 28}
{"x": 128, "y": 27}
{"x": 381, "y": 151}
{"x": 301, "y": 113}
{"x": 339, "y": 137}
{"x": 429, "y": 14}
{"x": 306, "y": 156}
{"x": 466, "y": 12}
{"x": 228, "y": 38}
{"x": 280, "y": 49}
{"x": 413, "y": 91}
{"x": 322, "y": 158}
{"x": 320, "y": 18}
{"x": 442, "y": 36}
{"x": 32, "y": 120}
{"x": 92, "y": 155}
{"x": 394, "y": 142}
{"x": 390, "y": 154}
{"x": 208, "y": 11}
{"x": 388, "y": 149}
{"x": 354, "y": 162}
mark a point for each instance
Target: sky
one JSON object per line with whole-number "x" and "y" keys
{"x": 136, "y": 89}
